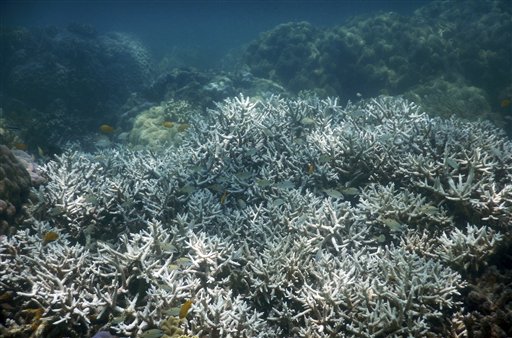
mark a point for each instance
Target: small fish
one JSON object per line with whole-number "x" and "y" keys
{"x": 285, "y": 185}
{"x": 333, "y": 193}
{"x": 496, "y": 152}
{"x": 50, "y": 236}
{"x": 152, "y": 333}
{"x": 223, "y": 197}
{"x": 310, "y": 168}
{"x": 168, "y": 124}
{"x": 263, "y": 183}
{"x": 183, "y": 127}
{"x": 57, "y": 211}
{"x": 21, "y": 146}
{"x": 185, "y": 308}
{"x": 168, "y": 247}
{"x": 251, "y": 152}
{"x": 350, "y": 191}
{"x": 452, "y": 163}
{"x": 381, "y": 238}
{"x": 7, "y": 307}
{"x": 173, "y": 267}
{"x": 429, "y": 209}
{"x": 40, "y": 151}
{"x": 106, "y": 129}
{"x": 241, "y": 203}
{"x": 244, "y": 175}
{"x": 173, "y": 312}
{"x": 505, "y": 103}
{"x": 278, "y": 202}
{"x": 217, "y": 187}
{"x": 183, "y": 261}
{"x": 12, "y": 128}
{"x": 118, "y": 319}
{"x": 358, "y": 113}
{"x": 307, "y": 121}
{"x": 6, "y": 296}
{"x": 392, "y": 224}
{"x": 36, "y": 313}
{"x": 299, "y": 141}
{"x": 188, "y": 189}
{"x": 91, "y": 199}
{"x": 324, "y": 158}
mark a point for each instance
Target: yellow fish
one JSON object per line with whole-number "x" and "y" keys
{"x": 106, "y": 129}
{"x": 168, "y": 124}
{"x": 223, "y": 197}
{"x": 183, "y": 127}
{"x": 310, "y": 168}
{"x": 50, "y": 236}
{"x": 21, "y": 146}
{"x": 505, "y": 103}
{"x": 185, "y": 308}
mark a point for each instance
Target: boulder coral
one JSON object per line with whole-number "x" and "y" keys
{"x": 15, "y": 186}
{"x": 390, "y": 54}
{"x": 160, "y": 125}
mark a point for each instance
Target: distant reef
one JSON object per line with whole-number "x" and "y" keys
{"x": 74, "y": 68}
{"x": 445, "y": 54}
{"x": 67, "y": 78}
{"x": 451, "y": 58}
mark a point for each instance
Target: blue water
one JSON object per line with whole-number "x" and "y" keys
{"x": 210, "y": 27}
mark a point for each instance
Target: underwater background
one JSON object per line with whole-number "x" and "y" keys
{"x": 255, "y": 168}
{"x": 211, "y": 28}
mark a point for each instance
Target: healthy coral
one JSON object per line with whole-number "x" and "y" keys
{"x": 160, "y": 125}
{"x": 15, "y": 183}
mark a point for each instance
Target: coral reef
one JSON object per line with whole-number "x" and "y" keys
{"x": 392, "y": 54}
{"x": 202, "y": 88}
{"x": 488, "y": 304}
{"x": 15, "y": 183}
{"x": 287, "y": 54}
{"x": 87, "y": 72}
{"x": 272, "y": 217}
{"x": 67, "y": 78}
{"x": 162, "y": 124}
{"x": 485, "y": 64}
{"x": 446, "y": 98}
{"x": 30, "y": 164}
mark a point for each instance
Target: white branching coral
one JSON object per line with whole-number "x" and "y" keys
{"x": 54, "y": 278}
{"x": 395, "y": 210}
{"x": 468, "y": 249}
{"x": 272, "y": 217}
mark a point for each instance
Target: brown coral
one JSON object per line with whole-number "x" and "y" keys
{"x": 15, "y": 184}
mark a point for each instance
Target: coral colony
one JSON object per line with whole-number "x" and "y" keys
{"x": 268, "y": 217}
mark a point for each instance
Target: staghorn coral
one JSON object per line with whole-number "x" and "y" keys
{"x": 469, "y": 250}
{"x": 272, "y": 215}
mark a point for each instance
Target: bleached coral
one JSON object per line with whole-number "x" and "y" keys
{"x": 395, "y": 210}
{"x": 274, "y": 217}
{"x": 469, "y": 249}
{"x": 53, "y": 278}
